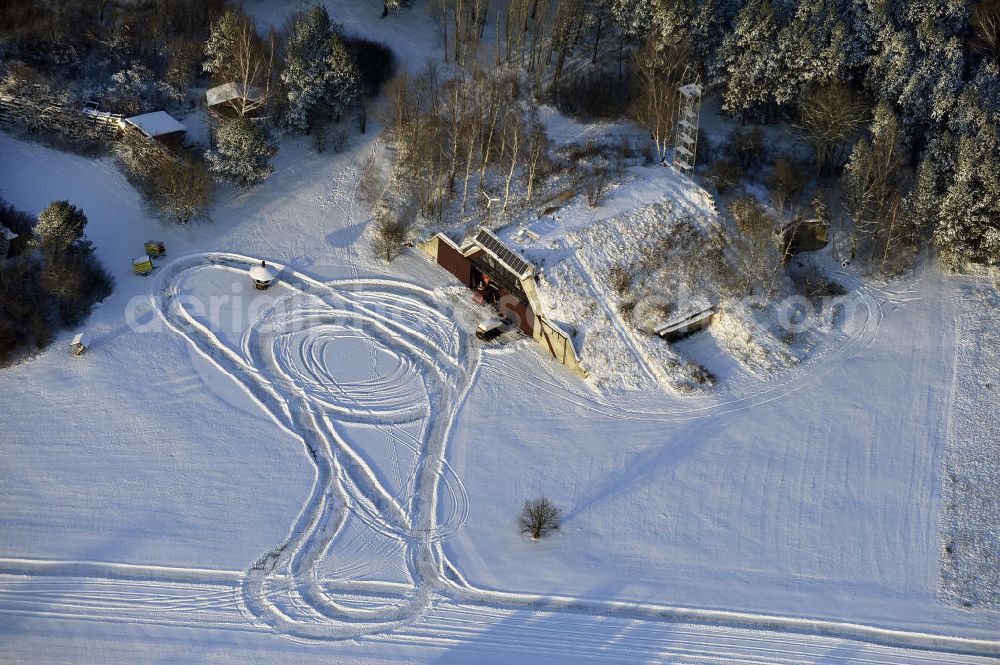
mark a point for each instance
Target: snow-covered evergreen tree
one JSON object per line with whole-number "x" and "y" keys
{"x": 815, "y": 50}
{"x": 969, "y": 222}
{"x": 710, "y": 23}
{"x": 663, "y": 24}
{"x": 319, "y": 72}
{"x": 60, "y": 226}
{"x": 632, "y": 17}
{"x": 776, "y": 51}
{"x": 221, "y": 45}
{"x": 748, "y": 60}
{"x": 917, "y": 59}
{"x": 243, "y": 152}
{"x": 923, "y": 203}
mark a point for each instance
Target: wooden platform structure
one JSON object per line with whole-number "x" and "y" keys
{"x": 692, "y": 322}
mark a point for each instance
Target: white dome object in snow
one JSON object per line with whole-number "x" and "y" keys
{"x": 263, "y": 275}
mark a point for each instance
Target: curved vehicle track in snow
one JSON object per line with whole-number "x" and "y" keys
{"x": 430, "y": 366}
{"x": 423, "y": 369}
{"x": 281, "y": 363}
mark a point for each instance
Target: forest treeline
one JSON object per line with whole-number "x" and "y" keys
{"x": 897, "y": 99}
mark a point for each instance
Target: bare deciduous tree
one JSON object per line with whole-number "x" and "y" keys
{"x": 181, "y": 188}
{"x": 238, "y": 55}
{"x": 875, "y": 182}
{"x": 660, "y": 69}
{"x": 985, "y": 23}
{"x": 539, "y": 518}
{"x": 388, "y": 237}
{"x": 786, "y": 182}
{"x": 253, "y": 68}
{"x": 755, "y": 250}
{"x": 829, "y": 117}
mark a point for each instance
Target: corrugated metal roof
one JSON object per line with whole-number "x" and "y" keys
{"x": 227, "y": 92}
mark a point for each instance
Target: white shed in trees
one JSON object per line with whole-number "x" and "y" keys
{"x": 6, "y": 235}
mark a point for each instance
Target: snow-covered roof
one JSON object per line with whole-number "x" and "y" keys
{"x": 81, "y": 338}
{"x": 7, "y": 233}
{"x": 263, "y": 273}
{"x": 691, "y": 89}
{"x": 226, "y": 92}
{"x": 157, "y": 123}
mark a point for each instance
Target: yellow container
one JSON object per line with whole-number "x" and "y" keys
{"x": 142, "y": 265}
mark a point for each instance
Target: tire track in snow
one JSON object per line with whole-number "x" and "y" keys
{"x": 452, "y": 625}
{"x": 283, "y": 592}
{"x": 332, "y": 495}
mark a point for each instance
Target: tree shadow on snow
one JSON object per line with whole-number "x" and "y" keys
{"x": 649, "y": 463}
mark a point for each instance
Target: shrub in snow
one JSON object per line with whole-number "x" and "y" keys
{"x": 138, "y": 157}
{"x": 596, "y": 184}
{"x": 539, "y": 518}
{"x": 786, "y": 182}
{"x": 133, "y": 91}
{"x": 389, "y": 236}
{"x": 243, "y": 152}
{"x": 724, "y": 174}
{"x": 619, "y": 279}
{"x": 319, "y": 73}
{"x": 749, "y": 341}
{"x": 746, "y": 147}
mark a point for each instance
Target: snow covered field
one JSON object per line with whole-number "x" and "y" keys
{"x": 330, "y": 471}
{"x": 814, "y": 496}
{"x": 970, "y": 530}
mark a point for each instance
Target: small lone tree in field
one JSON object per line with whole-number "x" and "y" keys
{"x": 539, "y": 517}
{"x": 389, "y": 236}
